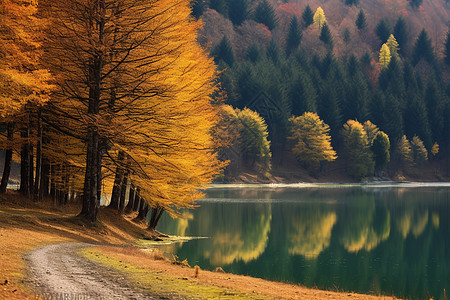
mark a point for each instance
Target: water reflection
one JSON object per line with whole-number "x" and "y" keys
{"x": 371, "y": 240}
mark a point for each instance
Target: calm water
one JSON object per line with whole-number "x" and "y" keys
{"x": 392, "y": 239}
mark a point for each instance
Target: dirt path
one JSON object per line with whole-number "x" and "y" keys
{"x": 57, "y": 271}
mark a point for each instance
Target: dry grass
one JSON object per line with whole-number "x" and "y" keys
{"x": 25, "y": 225}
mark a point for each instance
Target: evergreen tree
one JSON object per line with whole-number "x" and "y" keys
{"x": 307, "y": 16}
{"x": 303, "y": 95}
{"x": 319, "y": 18}
{"x": 416, "y": 119}
{"x": 273, "y": 51}
{"x": 361, "y": 21}
{"x": 294, "y": 36}
{"x": 423, "y": 49}
{"x": 253, "y": 53}
{"x": 238, "y": 11}
{"x": 223, "y": 51}
{"x": 383, "y": 30}
{"x": 220, "y": 6}
{"x": 325, "y": 35}
{"x": 393, "y": 46}
{"x": 265, "y": 14}
{"x": 380, "y": 148}
{"x": 435, "y": 104}
{"x": 198, "y": 7}
{"x": 385, "y": 56}
{"x": 346, "y": 37}
{"x": 352, "y": 2}
{"x": 447, "y": 49}
{"x": 401, "y": 34}
{"x": 415, "y": 3}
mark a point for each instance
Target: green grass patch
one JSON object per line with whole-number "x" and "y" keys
{"x": 162, "y": 284}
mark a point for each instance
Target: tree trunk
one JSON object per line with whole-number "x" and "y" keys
{"x": 24, "y": 164}
{"x": 143, "y": 210}
{"x": 38, "y": 178}
{"x": 155, "y": 216}
{"x": 30, "y": 165}
{"x": 130, "y": 204}
{"x": 8, "y": 159}
{"x": 115, "y": 196}
{"x": 137, "y": 200}
{"x": 45, "y": 179}
{"x": 123, "y": 191}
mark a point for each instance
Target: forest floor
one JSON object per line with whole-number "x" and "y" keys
{"x": 45, "y": 250}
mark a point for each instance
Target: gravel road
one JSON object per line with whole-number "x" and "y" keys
{"x": 58, "y": 272}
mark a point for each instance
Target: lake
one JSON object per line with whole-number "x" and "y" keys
{"x": 390, "y": 239}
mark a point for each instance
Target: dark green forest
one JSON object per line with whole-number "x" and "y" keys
{"x": 409, "y": 96}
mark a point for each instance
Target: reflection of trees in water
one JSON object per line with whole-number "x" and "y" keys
{"x": 364, "y": 225}
{"x": 246, "y": 243}
{"x": 310, "y": 232}
{"x": 412, "y": 221}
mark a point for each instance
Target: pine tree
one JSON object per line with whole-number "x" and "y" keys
{"x": 253, "y": 53}
{"x": 220, "y": 6}
{"x": 346, "y": 37}
{"x": 223, "y": 51}
{"x": 447, "y": 49}
{"x": 352, "y": 2}
{"x": 401, "y": 34}
{"x": 312, "y": 141}
{"x": 325, "y": 35}
{"x": 415, "y": 3}
{"x": 238, "y": 11}
{"x": 385, "y": 56}
{"x": 393, "y": 46}
{"x": 319, "y": 18}
{"x": 302, "y": 94}
{"x": 294, "y": 36}
{"x": 419, "y": 151}
{"x": 361, "y": 21}
{"x": 404, "y": 152}
{"x": 273, "y": 51}
{"x": 383, "y": 30}
{"x": 357, "y": 150}
{"x": 198, "y": 7}
{"x": 307, "y": 16}
{"x": 380, "y": 148}
{"x": 423, "y": 49}
{"x": 265, "y": 14}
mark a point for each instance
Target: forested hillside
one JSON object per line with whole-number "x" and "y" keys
{"x": 374, "y": 75}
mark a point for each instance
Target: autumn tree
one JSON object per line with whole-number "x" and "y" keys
{"x": 265, "y": 14}
{"x": 371, "y": 131}
{"x": 385, "y": 56}
{"x": 357, "y": 150}
{"x": 319, "y": 18}
{"x": 312, "y": 141}
{"x": 393, "y": 46}
{"x": 294, "y": 36}
{"x": 307, "y": 16}
{"x": 124, "y": 87}
{"x": 361, "y": 21}
{"x": 23, "y": 82}
{"x": 404, "y": 152}
{"x": 419, "y": 151}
